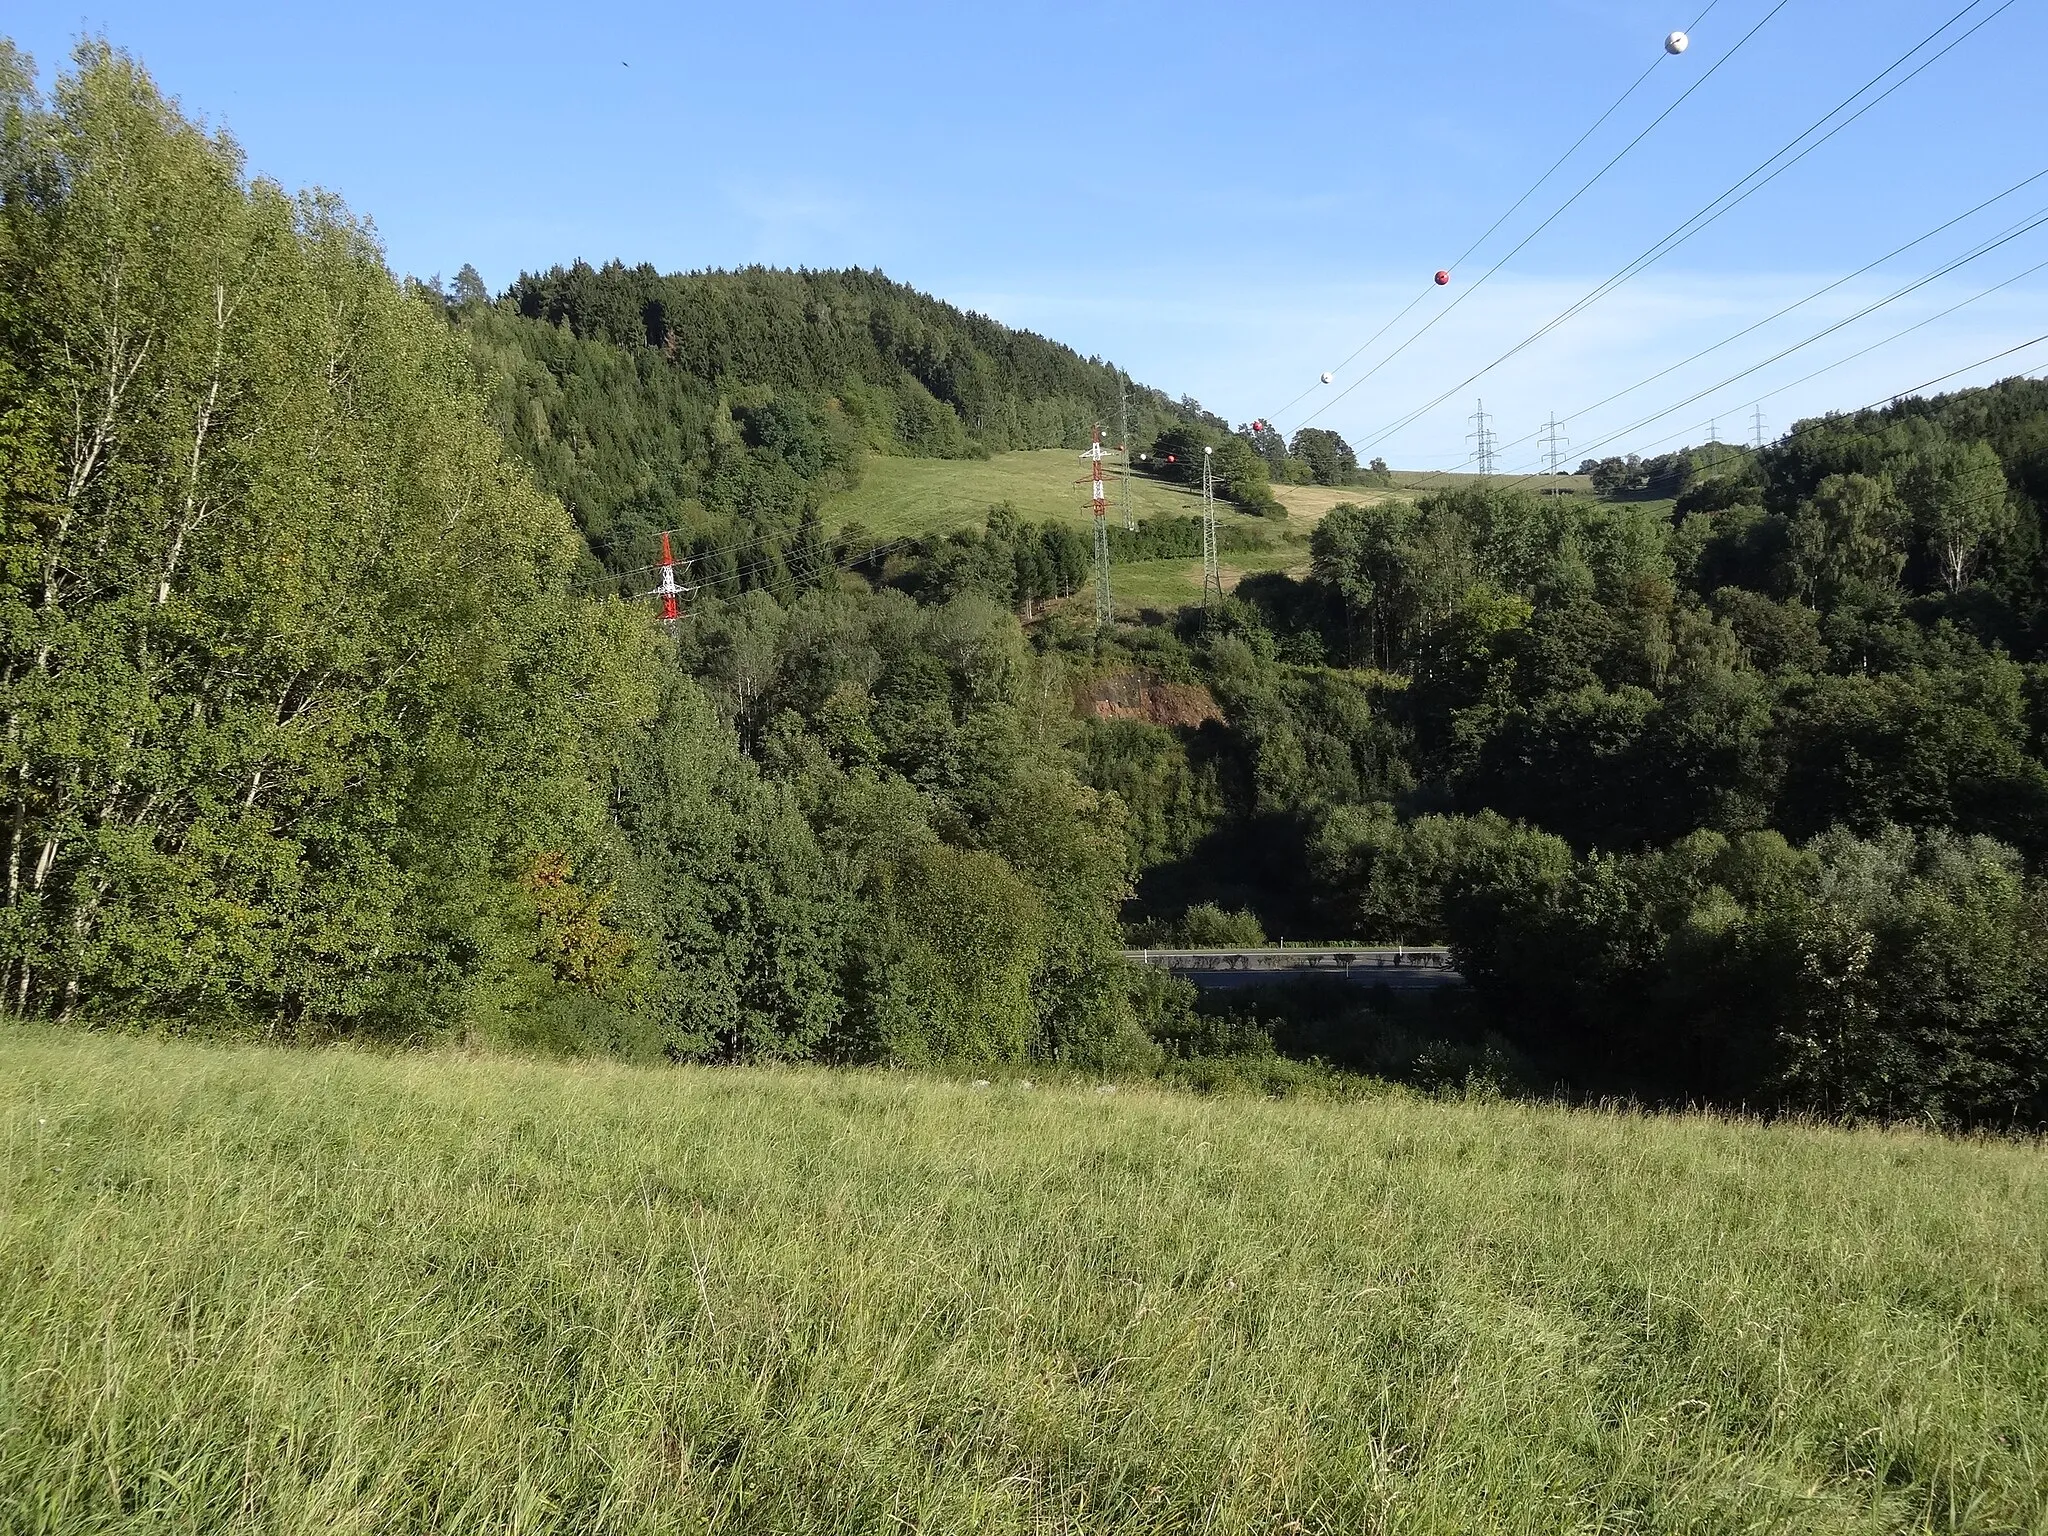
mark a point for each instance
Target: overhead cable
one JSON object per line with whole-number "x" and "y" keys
{"x": 1767, "y": 171}
{"x": 1584, "y": 187}
{"x": 1662, "y": 54}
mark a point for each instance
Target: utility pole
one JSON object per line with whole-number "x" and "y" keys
{"x": 1482, "y": 437}
{"x": 1757, "y": 420}
{"x": 1123, "y": 405}
{"x": 1105, "y": 611}
{"x": 1212, "y": 573}
{"x": 1554, "y": 445}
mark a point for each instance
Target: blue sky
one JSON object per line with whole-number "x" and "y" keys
{"x": 1225, "y": 200}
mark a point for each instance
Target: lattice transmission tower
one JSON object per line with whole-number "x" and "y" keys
{"x": 1482, "y": 439}
{"x": 1212, "y": 572}
{"x": 1555, "y": 446}
{"x": 1756, "y": 421}
{"x": 1105, "y": 609}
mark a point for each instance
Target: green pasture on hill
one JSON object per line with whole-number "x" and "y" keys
{"x": 1169, "y": 584}
{"x": 901, "y": 496}
{"x": 250, "y": 1290}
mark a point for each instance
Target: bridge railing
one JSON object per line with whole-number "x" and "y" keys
{"x": 1296, "y": 957}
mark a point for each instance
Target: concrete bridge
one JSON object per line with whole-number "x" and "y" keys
{"x": 1392, "y": 965}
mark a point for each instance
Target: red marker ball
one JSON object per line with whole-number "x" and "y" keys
{"x": 1442, "y": 278}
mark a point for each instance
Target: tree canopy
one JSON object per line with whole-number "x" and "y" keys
{"x": 333, "y": 707}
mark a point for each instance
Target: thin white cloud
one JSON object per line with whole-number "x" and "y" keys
{"x": 1247, "y": 353}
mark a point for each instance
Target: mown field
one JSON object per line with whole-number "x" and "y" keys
{"x": 898, "y": 497}
{"x": 250, "y": 1290}
{"x": 1170, "y": 584}
{"x": 917, "y": 496}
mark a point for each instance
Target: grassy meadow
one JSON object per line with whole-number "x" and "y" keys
{"x": 251, "y": 1290}
{"x": 898, "y": 496}
{"x": 1171, "y": 584}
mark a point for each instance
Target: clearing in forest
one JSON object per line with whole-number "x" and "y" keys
{"x": 899, "y": 496}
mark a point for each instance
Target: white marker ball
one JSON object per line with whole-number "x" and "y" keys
{"x": 1327, "y": 377}
{"x": 1676, "y": 43}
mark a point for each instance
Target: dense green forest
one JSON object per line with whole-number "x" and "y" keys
{"x": 723, "y": 406}
{"x": 1744, "y": 802}
{"x": 333, "y": 708}
{"x": 312, "y": 729}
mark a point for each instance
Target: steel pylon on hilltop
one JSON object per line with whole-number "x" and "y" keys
{"x": 1105, "y": 608}
{"x": 1482, "y": 438}
{"x": 1212, "y": 572}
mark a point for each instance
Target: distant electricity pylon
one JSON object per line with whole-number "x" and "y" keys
{"x": 1123, "y": 405}
{"x": 1555, "y": 445}
{"x": 1757, "y": 421}
{"x": 1482, "y": 438}
{"x": 1212, "y": 573}
{"x": 1105, "y": 610}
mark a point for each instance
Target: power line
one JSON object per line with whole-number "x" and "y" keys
{"x": 655, "y": 565}
{"x": 1123, "y": 405}
{"x": 805, "y": 564}
{"x": 1817, "y": 293}
{"x": 1427, "y": 288}
{"x": 1829, "y": 330}
{"x": 1897, "y": 395}
{"x": 1712, "y": 424}
{"x": 2004, "y": 236}
{"x": 2032, "y": 222}
{"x": 1735, "y": 194}
{"x": 1983, "y": 293}
{"x": 1555, "y": 214}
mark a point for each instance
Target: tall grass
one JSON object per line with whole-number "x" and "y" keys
{"x": 252, "y": 1290}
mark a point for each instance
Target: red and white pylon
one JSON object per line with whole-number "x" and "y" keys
{"x": 668, "y": 591}
{"x": 1104, "y": 611}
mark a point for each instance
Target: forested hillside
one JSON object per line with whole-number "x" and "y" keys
{"x": 1746, "y": 801}
{"x": 725, "y": 405}
{"x": 311, "y": 731}
{"x": 331, "y": 710}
